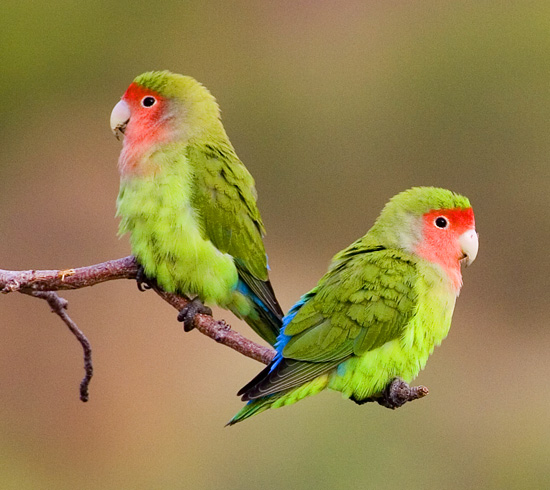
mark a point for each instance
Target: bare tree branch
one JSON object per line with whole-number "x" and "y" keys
{"x": 221, "y": 332}
{"x": 43, "y": 283}
{"x": 56, "y": 280}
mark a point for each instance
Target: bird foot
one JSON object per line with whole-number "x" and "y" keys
{"x": 188, "y": 312}
{"x": 143, "y": 282}
{"x": 398, "y": 392}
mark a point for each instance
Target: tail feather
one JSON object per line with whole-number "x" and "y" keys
{"x": 261, "y": 290}
{"x": 287, "y": 397}
{"x": 265, "y": 320}
{"x": 265, "y": 324}
{"x": 252, "y": 408}
{"x": 256, "y": 380}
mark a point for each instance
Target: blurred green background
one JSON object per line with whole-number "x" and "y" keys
{"x": 334, "y": 107}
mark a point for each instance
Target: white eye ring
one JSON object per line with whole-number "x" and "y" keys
{"x": 441, "y": 222}
{"x": 148, "y": 101}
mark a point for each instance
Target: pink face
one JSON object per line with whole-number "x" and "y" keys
{"x": 144, "y": 118}
{"x": 448, "y": 236}
{"x": 147, "y": 109}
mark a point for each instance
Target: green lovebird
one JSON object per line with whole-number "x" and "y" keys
{"x": 188, "y": 202}
{"x": 377, "y": 314}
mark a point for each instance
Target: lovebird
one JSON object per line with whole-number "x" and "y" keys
{"x": 373, "y": 319}
{"x": 189, "y": 203}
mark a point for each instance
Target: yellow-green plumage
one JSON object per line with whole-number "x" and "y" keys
{"x": 189, "y": 203}
{"x": 377, "y": 314}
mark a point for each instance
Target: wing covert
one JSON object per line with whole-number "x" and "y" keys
{"x": 358, "y": 308}
{"x": 225, "y": 198}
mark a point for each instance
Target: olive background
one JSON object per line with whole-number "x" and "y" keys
{"x": 334, "y": 107}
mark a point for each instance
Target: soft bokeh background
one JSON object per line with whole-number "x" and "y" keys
{"x": 334, "y": 107}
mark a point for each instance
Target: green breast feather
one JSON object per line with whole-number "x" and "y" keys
{"x": 166, "y": 232}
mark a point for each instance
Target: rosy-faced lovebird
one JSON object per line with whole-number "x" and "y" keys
{"x": 188, "y": 202}
{"x": 377, "y": 314}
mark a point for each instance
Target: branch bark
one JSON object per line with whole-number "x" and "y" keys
{"x": 44, "y": 283}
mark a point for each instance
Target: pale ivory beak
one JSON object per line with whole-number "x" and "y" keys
{"x": 119, "y": 118}
{"x": 469, "y": 244}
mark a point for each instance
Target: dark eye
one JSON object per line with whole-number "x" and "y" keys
{"x": 148, "y": 101}
{"x": 441, "y": 222}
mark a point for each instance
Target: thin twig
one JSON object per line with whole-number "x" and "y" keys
{"x": 59, "y": 307}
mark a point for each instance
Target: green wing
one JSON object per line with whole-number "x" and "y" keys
{"x": 225, "y": 199}
{"x": 364, "y": 301}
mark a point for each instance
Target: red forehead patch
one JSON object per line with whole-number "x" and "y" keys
{"x": 136, "y": 92}
{"x": 460, "y": 219}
